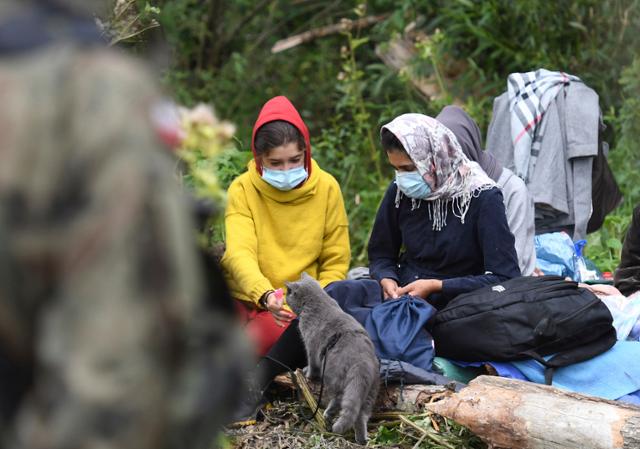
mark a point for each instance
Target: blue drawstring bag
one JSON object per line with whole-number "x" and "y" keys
{"x": 397, "y": 329}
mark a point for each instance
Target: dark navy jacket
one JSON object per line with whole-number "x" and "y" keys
{"x": 404, "y": 247}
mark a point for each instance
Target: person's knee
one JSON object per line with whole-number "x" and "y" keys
{"x": 264, "y": 332}
{"x": 344, "y": 292}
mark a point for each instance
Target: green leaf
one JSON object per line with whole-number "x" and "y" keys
{"x": 355, "y": 43}
{"x": 578, "y": 26}
{"x": 614, "y": 243}
{"x": 467, "y": 3}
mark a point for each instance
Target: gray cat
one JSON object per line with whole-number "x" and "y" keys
{"x": 351, "y": 377}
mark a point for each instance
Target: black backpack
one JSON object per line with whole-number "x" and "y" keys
{"x": 526, "y": 317}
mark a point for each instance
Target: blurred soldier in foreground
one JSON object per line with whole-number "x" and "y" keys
{"x": 105, "y": 338}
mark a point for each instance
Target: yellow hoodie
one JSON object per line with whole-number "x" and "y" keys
{"x": 272, "y": 236}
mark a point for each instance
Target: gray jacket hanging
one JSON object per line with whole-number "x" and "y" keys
{"x": 561, "y": 180}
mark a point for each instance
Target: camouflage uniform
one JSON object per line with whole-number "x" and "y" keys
{"x": 104, "y": 339}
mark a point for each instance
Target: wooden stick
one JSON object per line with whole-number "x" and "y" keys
{"x": 383, "y": 423}
{"x": 307, "y": 36}
{"x": 301, "y": 381}
{"x": 388, "y": 415}
{"x": 419, "y": 442}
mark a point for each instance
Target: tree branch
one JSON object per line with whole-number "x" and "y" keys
{"x": 307, "y": 36}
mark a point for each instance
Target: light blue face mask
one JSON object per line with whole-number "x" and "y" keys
{"x": 284, "y": 179}
{"x": 412, "y": 184}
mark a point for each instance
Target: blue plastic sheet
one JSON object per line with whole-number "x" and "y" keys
{"x": 614, "y": 374}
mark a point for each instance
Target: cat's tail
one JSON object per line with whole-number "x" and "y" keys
{"x": 356, "y": 391}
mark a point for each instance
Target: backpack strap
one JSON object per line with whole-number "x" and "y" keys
{"x": 574, "y": 355}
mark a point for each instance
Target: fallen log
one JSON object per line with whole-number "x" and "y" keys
{"x": 514, "y": 414}
{"x": 392, "y": 397}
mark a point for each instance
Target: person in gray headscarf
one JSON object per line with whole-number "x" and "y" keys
{"x": 517, "y": 200}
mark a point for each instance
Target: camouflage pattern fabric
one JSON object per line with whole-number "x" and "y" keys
{"x": 91, "y": 8}
{"x": 100, "y": 284}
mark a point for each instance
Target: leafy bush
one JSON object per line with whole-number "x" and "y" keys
{"x": 592, "y": 39}
{"x": 348, "y": 147}
{"x": 605, "y": 245}
{"x": 222, "y": 55}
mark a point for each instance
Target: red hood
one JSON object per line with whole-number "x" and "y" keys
{"x": 280, "y": 108}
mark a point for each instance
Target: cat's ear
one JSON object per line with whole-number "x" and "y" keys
{"x": 305, "y": 276}
{"x": 289, "y": 285}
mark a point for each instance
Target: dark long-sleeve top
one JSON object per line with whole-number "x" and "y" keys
{"x": 405, "y": 247}
{"x": 627, "y": 277}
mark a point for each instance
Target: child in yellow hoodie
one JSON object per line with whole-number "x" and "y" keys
{"x": 284, "y": 215}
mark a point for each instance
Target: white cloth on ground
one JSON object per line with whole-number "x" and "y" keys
{"x": 626, "y": 314}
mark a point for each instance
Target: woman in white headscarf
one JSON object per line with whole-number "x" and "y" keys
{"x": 441, "y": 229}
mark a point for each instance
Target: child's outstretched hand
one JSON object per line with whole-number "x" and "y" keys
{"x": 275, "y": 303}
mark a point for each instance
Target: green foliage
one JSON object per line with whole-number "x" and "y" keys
{"x": 129, "y": 21}
{"x": 203, "y": 139}
{"x": 447, "y": 435}
{"x": 605, "y": 245}
{"x": 222, "y": 442}
{"x": 230, "y": 164}
{"x": 222, "y": 54}
{"x": 387, "y": 435}
{"x": 348, "y": 147}
{"x": 593, "y": 39}
{"x": 625, "y": 160}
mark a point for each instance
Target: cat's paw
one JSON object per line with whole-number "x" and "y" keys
{"x": 340, "y": 426}
{"x": 361, "y": 440}
{"x": 360, "y": 430}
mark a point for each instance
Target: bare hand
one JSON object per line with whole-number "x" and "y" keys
{"x": 601, "y": 289}
{"x": 537, "y": 272}
{"x": 421, "y": 288}
{"x": 275, "y": 306}
{"x": 389, "y": 288}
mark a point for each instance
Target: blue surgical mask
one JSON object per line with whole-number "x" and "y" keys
{"x": 413, "y": 185}
{"x": 284, "y": 179}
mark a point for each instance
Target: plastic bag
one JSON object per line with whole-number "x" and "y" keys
{"x": 582, "y": 271}
{"x": 555, "y": 254}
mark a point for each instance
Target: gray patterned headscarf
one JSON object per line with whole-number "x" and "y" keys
{"x": 437, "y": 155}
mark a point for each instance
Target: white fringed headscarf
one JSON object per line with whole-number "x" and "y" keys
{"x": 437, "y": 155}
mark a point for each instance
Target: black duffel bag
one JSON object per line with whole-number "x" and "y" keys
{"x": 522, "y": 318}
